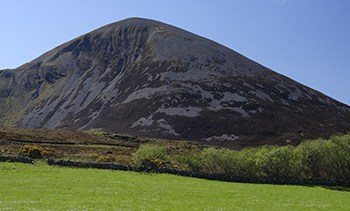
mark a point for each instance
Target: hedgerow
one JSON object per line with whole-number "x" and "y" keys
{"x": 324, "y": 160}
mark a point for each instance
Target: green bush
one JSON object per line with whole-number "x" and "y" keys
{"x": 326, "y": 159}
{"x": 246, "y": 163}
{"x": 339, "y": 157}
{"x": 149, "y": 152}
{"x": 277, "y": 162}
{"x": 191, "y": 162}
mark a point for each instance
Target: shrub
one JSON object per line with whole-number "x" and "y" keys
{"x": 149, "y": 152}
{"x": 326, "y": 159}
{"x": 219, "y": 161}
{"x": 313, "y": 158}
{"x": 276, "y": 162}
{"x": 192, "y": 162}
{"x": 33, "y": 151}
{"x": 338, "y": 151}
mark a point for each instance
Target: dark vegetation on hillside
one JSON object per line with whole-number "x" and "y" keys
{"x": 312, "y": 162}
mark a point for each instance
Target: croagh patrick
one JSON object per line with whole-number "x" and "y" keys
{"x": 147, "y": 78}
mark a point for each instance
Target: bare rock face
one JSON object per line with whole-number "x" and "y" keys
{"x": 148, "y": 78}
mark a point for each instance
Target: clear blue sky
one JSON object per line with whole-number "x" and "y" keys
{"x": 307, "y": 40}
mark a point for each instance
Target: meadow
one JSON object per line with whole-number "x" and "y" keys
{"x": 43, "y": 187}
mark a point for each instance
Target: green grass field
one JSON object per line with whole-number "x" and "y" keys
{"x": 39, "y": 186}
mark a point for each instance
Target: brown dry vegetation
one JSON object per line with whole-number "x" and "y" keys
{"x": 87, "y": 146}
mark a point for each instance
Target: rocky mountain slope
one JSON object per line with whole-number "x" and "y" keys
{"x": 148, "y": 78}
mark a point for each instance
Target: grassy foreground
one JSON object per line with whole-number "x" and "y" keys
{"x": 39, "y": 186}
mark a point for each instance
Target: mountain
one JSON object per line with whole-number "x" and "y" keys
{"x": 147, "y": 78}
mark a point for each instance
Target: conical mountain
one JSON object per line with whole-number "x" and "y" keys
{"x": 147, "y": 78}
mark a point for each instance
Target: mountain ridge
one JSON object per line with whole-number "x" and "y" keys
{"x": 148, "y": 78}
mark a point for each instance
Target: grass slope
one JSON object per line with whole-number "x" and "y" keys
{"x": 40, "y": 186}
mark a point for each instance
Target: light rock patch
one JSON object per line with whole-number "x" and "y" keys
{"x": 186, "y": 111}
{"x": 223, "y": 137}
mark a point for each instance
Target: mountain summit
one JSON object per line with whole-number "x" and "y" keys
{"x": 148, "y": 78}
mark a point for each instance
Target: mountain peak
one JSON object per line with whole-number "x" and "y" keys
{"x": 137, "y": 21}
{"x": 130, "y": 22}
{"x": 148, "y": 78}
